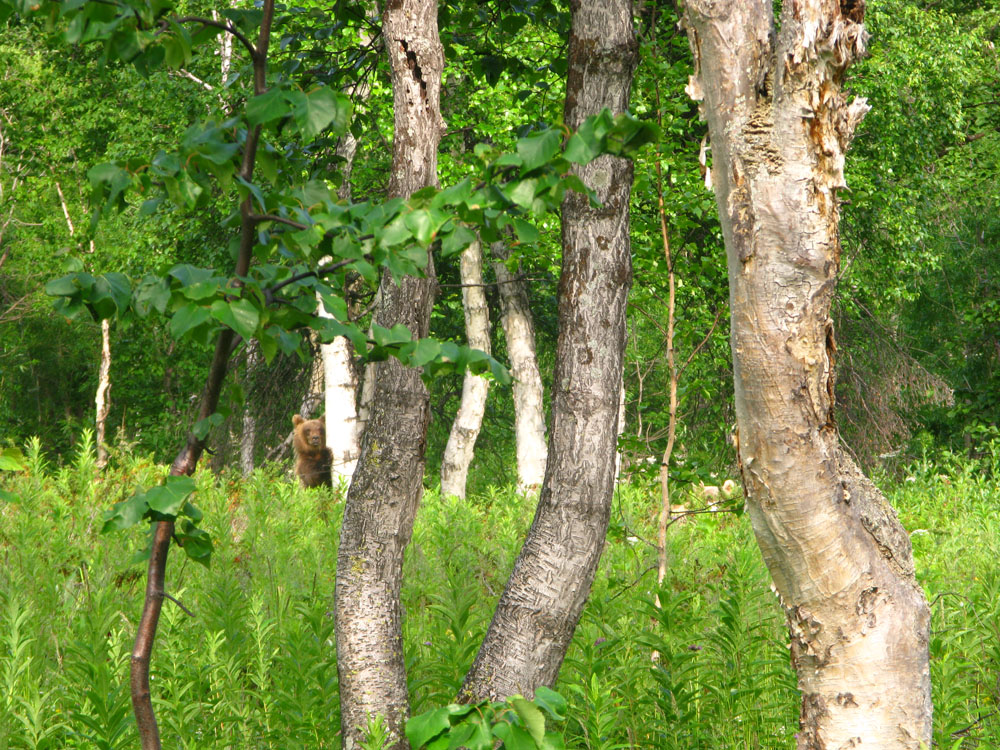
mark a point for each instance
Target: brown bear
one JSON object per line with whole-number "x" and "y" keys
{"x": 312, "y": 458}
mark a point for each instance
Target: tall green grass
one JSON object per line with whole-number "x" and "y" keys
{"x": 256, "y": 666}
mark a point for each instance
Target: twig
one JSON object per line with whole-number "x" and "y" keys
{"x": 187, "y": 611}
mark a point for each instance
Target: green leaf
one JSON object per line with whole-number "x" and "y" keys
{"x": 551, "y": 702}
{"x": 538, "y": 149}
{"x": 532, "y": 717}
{"x": 168, "y": 498}
{"x": 314, "y": 111}
{"x": 269, "y": 106}
{"x": 203, "y": 426}
{"x": 456, "y": 241}
{"x": 11, "y": 459}
{"x": 196, "y": 543}
{"x": 526, "y": 232}
{"x": 126, "y": 513}
{"x": 514, "y": 738}
{"x": 423, "y": 728}
{"x": 187, "y": 318}
{"x": 426, "y": 351}
{"x": 241, "y": 315}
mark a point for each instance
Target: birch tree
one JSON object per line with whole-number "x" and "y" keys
{"x": 780, "y": 125}
{"x": 529, "y": 407}
{"x": 388, "y": 482}
{"x": 541, "y": 604}
{"x": 465, "y": 429}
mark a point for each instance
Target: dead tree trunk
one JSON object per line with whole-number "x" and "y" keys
{"x": 464, "y": 431}
{"x": 388, "y": 482}
{"x": 780, "y": 125}
{"x": 539, "y": 609}
{"x": 529, "y": 406}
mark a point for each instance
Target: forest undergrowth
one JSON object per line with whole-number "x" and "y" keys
{"x": 255, "y": 666}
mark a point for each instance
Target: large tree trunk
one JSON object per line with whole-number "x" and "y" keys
{"x": 464, "y": 431}
{"x": 388, "y": 482}
{"x": 539, "y": 609}
{"x": 529, "y": 407}
{"x": 780, "y": 124}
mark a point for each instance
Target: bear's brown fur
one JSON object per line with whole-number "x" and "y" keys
{"x": 312, "y": 458}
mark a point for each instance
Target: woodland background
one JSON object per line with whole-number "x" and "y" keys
{"x": 918, "y": 393}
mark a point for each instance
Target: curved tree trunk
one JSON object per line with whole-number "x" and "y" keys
{"x": 529, "y": 407}
{"x": 539, "y": 609}
{"x": 388, "y": 482}
{"x": 464, "y": 431}
{"x": 780, "y": 124}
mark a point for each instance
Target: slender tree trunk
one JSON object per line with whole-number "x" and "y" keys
{"x": 664, "y": 519}
{"x": 529, "y": 406}
{"x": 841, "y": 562}
{"x": 248, "y": 434}
{"x": 343, "y": 428}
{"x": 462, "y": 440}
{"x": 187, "y": 458}
{"x": 102, "y": 399}
{"x": 539, "y": 609}
{"x": 343, "y": 434}
{"x": 388, "y": 482}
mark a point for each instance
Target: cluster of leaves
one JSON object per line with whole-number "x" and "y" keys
{"x": 516, "y": 724}
{"x": 302, "y": 228}
{"x": 165, "y": 502}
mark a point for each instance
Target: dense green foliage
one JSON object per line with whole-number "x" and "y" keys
{"x": 255, "y": 666}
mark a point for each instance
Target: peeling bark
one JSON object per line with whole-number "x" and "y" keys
{"x": 529, "y": 406}
{"x": 387, "y": 484}
{"x": 537, "y": 614}
{"x": 464, "y": 431}
{"x": 780, "y": 125}
{"x": 102, "y": 400}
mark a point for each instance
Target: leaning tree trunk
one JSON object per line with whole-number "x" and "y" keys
{"x": 388, "y": 482}
{"x": 529, "y": 408}
{"x": 464, "y": 431}
{"x": 539, "y": 609}
{"x": 780, "y": 125}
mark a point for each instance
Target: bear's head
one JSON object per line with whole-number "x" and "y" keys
{"x": 310, "y": 434}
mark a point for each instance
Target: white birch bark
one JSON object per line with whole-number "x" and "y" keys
{"x": 465, "y": 429}
{"x": 102, "y": 399}
{"x": 342, "y": 427}
{"x": 248, "y": 433}
{"x": 529, "y": 405}
{"x": 780, "y": 124}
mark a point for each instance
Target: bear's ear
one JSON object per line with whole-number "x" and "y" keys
{"x": 297, "y": 420}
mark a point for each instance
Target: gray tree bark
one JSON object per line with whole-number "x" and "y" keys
{"x": 388, "y": 482}
{"x": 780, "y": 124}
{"x": 465, "y": 430}
{"x": 541, "y": 604}
{"x": 529, "y": 406}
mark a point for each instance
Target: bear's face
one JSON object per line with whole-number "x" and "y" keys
{"x": 309, "y": 433}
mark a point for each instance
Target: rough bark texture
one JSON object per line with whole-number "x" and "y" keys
{"x": 539, "y": 609}
{"x": 529, "y": 406}
{"x": 841, "y": 562}
{"x": 387, "y": 484}
{"x": 465, "y": 429}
